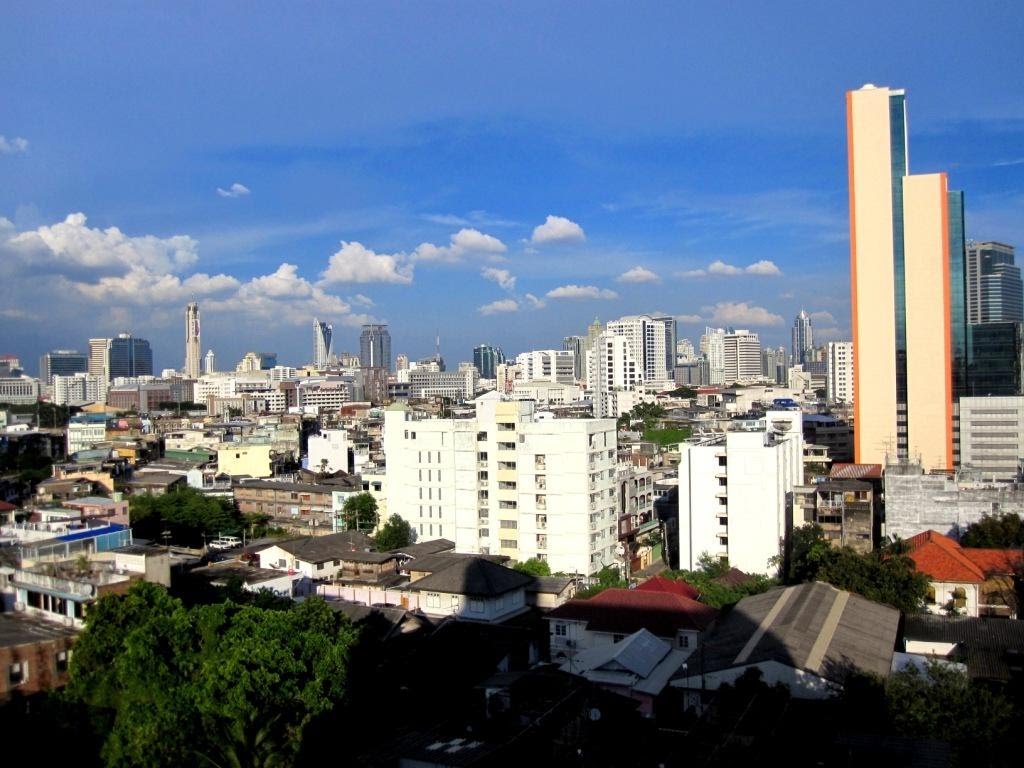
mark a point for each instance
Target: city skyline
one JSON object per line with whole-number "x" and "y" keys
{"x": 512, "y": 196}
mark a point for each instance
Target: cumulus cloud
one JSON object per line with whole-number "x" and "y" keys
{"x": 581, "y": 292}
{"x": 142, "y": 287}
{"x": 355, "y": 263}
{"x": 71, "y": 243}
{"x": 822, "y": 318}
{"x": 235, "y": 190}
{"x": 638, "y": 275}
{"x": 464, "y": 243}
{"x": 501, "y": 305}
{"x": 558, "y": 229}
{"x": 284, "y": 295}
{"x": 362, "y": 300}
{"x": 721, "y": 268}
{"x": 689, "y": 318}
{"x": 535, "y": 303}
{"x": 502, "y": 277}
{"x": 740, "y": 313}
{"x": 13, "y": 146}
{"x": 763, "y": 267}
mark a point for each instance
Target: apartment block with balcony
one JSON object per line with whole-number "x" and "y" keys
{"x": 507, "y": 483}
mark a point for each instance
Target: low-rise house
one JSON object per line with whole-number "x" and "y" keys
{"x": 252, "y": 579}
{"x": 347, "y": 555}
{"x": 614, "y": 614}
{"x": 113, "y": 510}
{"x": 307, "y": 507}
{"x": 155, "y": 483}
{"x": 473, "y": 588}
{"x": 966, "y": 581}
{"x": 63, "y": 591}
{"x": 34, "y": 655}
{"x": 808, "y": 637}
{"x": 991, "y": 649}
{"x": 639, "y": 667}
{"x": 549, "y": 592}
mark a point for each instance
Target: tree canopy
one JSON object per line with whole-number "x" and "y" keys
{"x": 718, "y": 595}
{"x": 209, "y": 685}
{"x": 995, "y": 532}
{"x": 886, "y": 575}
{"x": 534, "y": 567}
{"x": 186, "y": 513}
{"x": 394, "y": 534}
{"x": 360, "y": 513}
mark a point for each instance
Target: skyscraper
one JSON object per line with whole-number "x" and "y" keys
{"x": 192, "y": 340}
{"x": 994, "y": 290}
{"x": 61, "y": 362}
{"x": 577, "y": 345}
{"x": 907, "y": 283}
{"x": 803, "y": 339}
{"x": 653, "y": 340}
{"x": 712, "y": 346}
{"x": 375, "y": 347}
{"x": 742, "y": 354}
{"x": 128, "y": 357}
{"x": 486, "y": 359}
{"x": 209, "y": 362}
{"x": 98, "y": 358}
{"x": 322, "y": 333}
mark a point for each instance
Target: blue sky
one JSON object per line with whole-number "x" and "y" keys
{"x": 498, "y": 173}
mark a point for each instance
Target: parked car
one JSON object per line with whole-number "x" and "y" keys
{"x": 225, "y": 542}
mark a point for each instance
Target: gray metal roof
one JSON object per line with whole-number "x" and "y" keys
{"x": 347, "y": 545}
{"x": 991, "y": 648}
{"x": 814, "y": 627}
{"x": 474, "y": 576}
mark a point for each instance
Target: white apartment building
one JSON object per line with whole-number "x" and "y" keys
{"x": 992, "y": 436}
{"x": 839, "y": 380}
{"x": 712, "y": 346}
{"x": 506, "y": 482}
{"x": 546, "y": 393}
{"x": 22, "y": 390}
{"x": 654, "y": 343}
{"x": 554, "y": 365}
{"x": 458, "y": 385}
{"x": 83, "y": 435}
{"x": 328, "y": 392}
{"x": 735, "y": 490}
{"x": 742, "y": 356}
{"x": 79, "y": 388}
{"x": 612, "y": 364}
{"x": 330, "y": 446}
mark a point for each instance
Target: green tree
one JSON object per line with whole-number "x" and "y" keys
{"x": 394, "y": 534}
{"x": 223, "y": 685}
{"x": 995, "y": 532}
{"x": 360, "y": 513}
{"x": 534, "y": 567}
{"x": 607, "y": 577}
{"x": 186, "y": 513}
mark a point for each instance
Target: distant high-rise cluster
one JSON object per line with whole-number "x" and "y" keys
{"x": 322, "y": 333}
{"x": 123, "y": 357}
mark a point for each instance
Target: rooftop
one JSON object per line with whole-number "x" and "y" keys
{"x": 943, "y": 559}
{"x": 624, "y": 611}
{"x": 992, "y": 649}
{"x": 474, "y": 576}
{"x": 23, "y": 629}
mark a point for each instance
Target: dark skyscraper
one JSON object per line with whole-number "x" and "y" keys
{"x": 994, "y": 290}
{"x": 129, "y": 357}
{"x": 61, "y": 362}
{"x": 803, "y": 340}
{"x": 487, "y": 359}
{"x": 375, "y": 347}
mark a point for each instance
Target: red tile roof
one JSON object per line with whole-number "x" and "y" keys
{"x": 6, "y": 506}
{"x": 624, "y": 611}
{"x": 856, "y": 471}
{"x": 943, "y": 559}
{"x": 672, "y": 586}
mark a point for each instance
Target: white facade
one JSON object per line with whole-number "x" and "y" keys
{"x": 84, "y": 435}
{"x": 506, "y": 483}
{"x": 654, "y": 343}
{"x": 79, "y": 388}
{"x": 734, "y": 492}
{"x": 19, "y": 391}
{"x": 742, "y": 356}
{"x": 992, "y": 435}
{"x": 613, "y": 363}
{"x": 553, "y": 365}
{"x": 712, "y": 346}
{"x": 331, "y": 445}
{"x": 544, "y": 392}
{"x": 839, "y": 385}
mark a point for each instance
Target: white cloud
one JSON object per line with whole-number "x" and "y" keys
{"x": 689, "y": 318}
{"x": 501, "y": 305}
{"x": 535, "y": 302}
{"x": 822, "y": 318}
{"x": 73, "y": 244}
{"x": 13, "y": 146}
{"x": 692, "y": 273}
{"x": 581, "y": 292}
{"x": 638, "y": 275}
{"x": 465, "y": 242}
{"x": 763, "y": 267}
{"x": 721, "y": 268}
{"x": 740, "y": 313}
{"x": 235, "y": 190}
{"x": 471, "y": 219}
{"x": 362, "y": 300}
{"x": 355, "y": 263}
{"x": 142, "y": 287}
{"x": 502, "y": 277}
{"x": 285, "y": 296}
{"x": 558, "y": 229}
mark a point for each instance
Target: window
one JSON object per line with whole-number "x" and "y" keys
{"x": 337, "y": 563}
{"x": 509, "y": 544}
{"x": 60, "y": 661}
{"x": 455, "y": 602}
{"x": 684, "y": 641}
{"x": 319, "y": 566}
{"x": 509, "y": 524}
{"x": 476, "y": 606}
{"x": 17, "y": 673}
{"x": 484, "y": 533}
{"x": 560, "y": 629}
{"x": 480, "y": 436}
{"x": 433, "y": 600}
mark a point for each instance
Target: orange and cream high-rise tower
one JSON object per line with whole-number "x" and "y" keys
{"x": 907, "y": 283}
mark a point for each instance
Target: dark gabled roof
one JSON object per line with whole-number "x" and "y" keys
{"x": 732, "y": 578}
{"x": 624, "y": 611}
{"x": 813, "y": 627}
{"x": 474, "y": 576}
{"x": 992, "y": 649}
{"x": 423, "y": 548}
{"x": 549, "y": 585}
{"x": 334, "y": 546}
{"x": 442, "y": 560}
